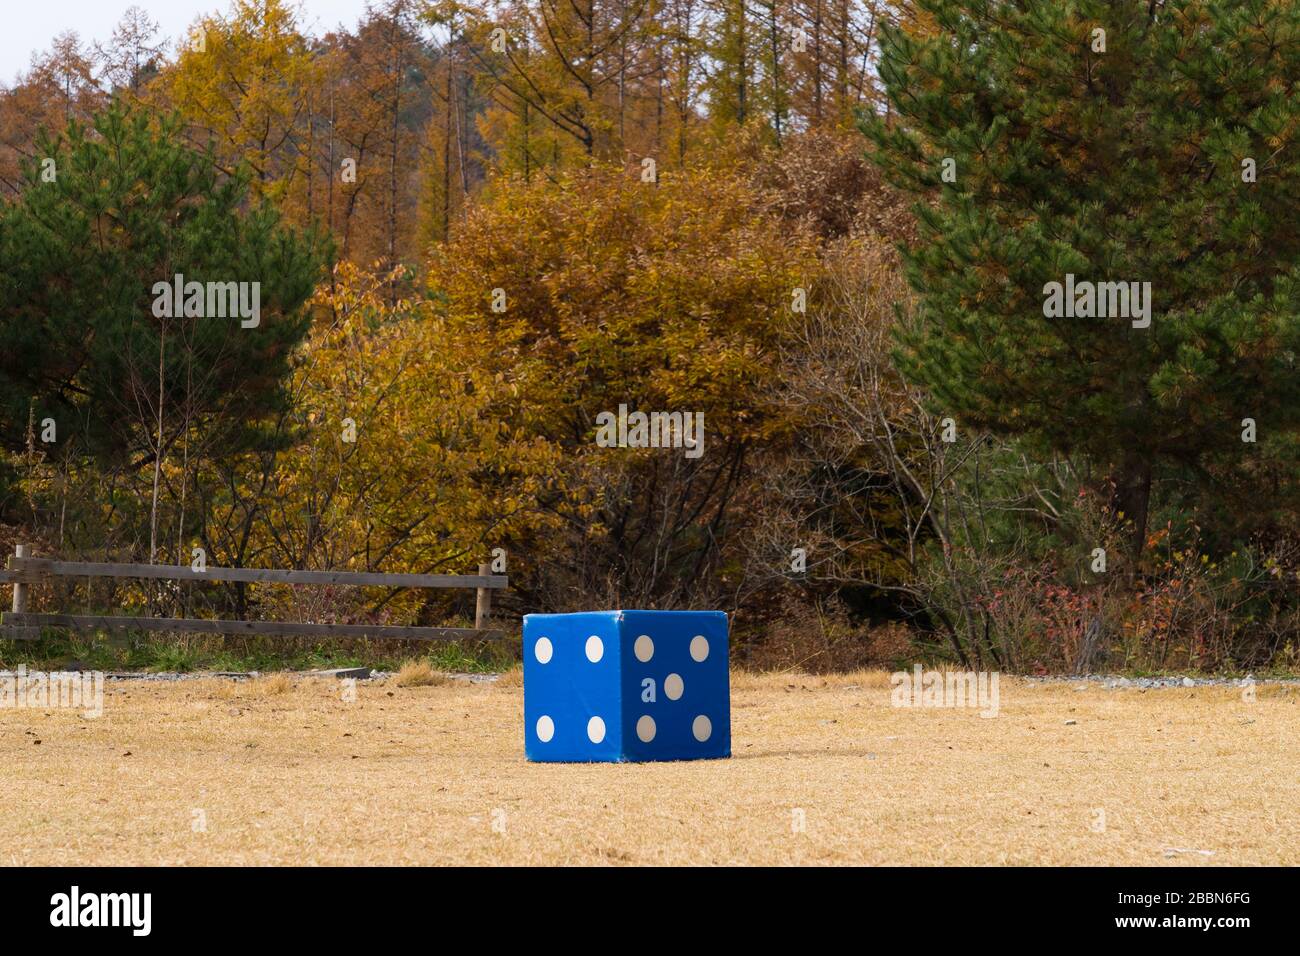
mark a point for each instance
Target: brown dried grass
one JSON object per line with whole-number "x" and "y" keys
{"x": 435, "y": 774}
{"x": 419, "y": 673}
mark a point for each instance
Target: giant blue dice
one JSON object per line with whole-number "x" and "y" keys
{"x": 626, "y": 685}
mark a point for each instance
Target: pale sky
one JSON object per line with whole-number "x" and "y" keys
{"x": 30, "y": 26}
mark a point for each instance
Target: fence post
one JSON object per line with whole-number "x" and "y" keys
{"x": 482, "y": 607}
{"x": 20, "y": 590}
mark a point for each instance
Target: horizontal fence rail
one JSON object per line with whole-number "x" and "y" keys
{"x": 205, "y": 625}
{"x": 24, "y": 571}
{"x": 28, "y": 569}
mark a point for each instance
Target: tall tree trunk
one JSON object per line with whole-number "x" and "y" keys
{"x": 1131, "y": 498}
{"x": 775, "y": 43}
{"x": 817, "y": 64}
{"x": 843, "y": 26}
{"x": 398, "y": 67}
{"x": 742, "y": 66}
{"x": 622, "y": 79}
{"x": 158, "y": 450}
{"x": 446, "y": 152}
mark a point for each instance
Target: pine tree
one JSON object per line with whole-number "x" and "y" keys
{"x": 1114, "y": 141}
{"x": 123, "y": 206}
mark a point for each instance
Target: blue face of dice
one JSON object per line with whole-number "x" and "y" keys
{"x": 572, "y": 693}
{"x": 626, "y": 685}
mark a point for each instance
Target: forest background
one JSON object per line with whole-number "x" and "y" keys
{"x": 823, "y": 224}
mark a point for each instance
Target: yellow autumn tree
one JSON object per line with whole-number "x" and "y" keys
{"x": 607, "y": 291}
{"x": 398, "y": 460}
{"x": 242, "y": 81}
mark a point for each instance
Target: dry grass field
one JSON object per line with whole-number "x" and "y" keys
{"x": 284, "y": 770}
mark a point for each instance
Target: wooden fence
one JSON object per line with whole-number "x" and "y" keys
{"x": 24, "y": 571}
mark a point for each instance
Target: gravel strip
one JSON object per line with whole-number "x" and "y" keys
{"x": 1105, "y": 681}
{"x": 1108, "y": 682}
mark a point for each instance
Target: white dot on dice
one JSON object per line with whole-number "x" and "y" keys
{"x": 702, "y": 728}
{"x": 543, "y": 650}
{"x": 673, "y": 686}
{"x": 644, "y": 648}
{"x": 699, "y": 648}
{"x": 595, "y": 730}
{"x": 645, "y": 729}
{"x": 545, "y": 729}
{"x": 595, "y": 649}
